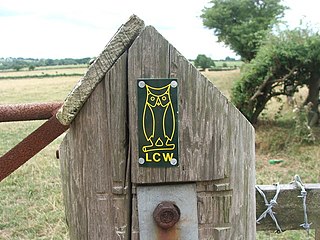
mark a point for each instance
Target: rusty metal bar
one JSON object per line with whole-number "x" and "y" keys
{"x": 30, "y": 146}
{"x": 25, "y": 112}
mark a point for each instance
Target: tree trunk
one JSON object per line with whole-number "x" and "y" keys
{"x": 258, "y": 109}
{"x": 261, "y": 101}
{"x": 313, "y": 97}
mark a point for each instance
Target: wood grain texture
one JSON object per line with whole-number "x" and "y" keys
{"x": 147, "y": 58}
{"x": 289, "y": 210}
{"x": 216, "y": 151}
{"x": 113, "y": 50}
{"x": 134, "y": 220}
{"x": 94, "y": 162}
{"x": 216, "y": 142}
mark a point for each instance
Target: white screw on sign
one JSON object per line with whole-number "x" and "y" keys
{"x": 141, "y": 161}
{"x": 173, "y": 161}
{"x": 141, "y": 84}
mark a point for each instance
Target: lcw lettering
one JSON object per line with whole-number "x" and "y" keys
{"x": 158, "y": 157}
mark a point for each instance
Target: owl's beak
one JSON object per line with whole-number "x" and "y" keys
{"x": 158, "y": 103}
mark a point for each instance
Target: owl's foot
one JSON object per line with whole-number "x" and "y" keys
{"x": 167, "y": 147}
{"x": 147, "y": 148}
{"x": 170, "y": 146}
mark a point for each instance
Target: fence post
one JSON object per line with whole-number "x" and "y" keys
{"x": 156, "y": 152}
{"x": 215, "y": 147}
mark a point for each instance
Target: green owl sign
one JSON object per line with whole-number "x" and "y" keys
{"x": 158, "y": 122}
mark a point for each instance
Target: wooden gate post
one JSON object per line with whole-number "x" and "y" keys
{"x": 216, "y": 148}
{"x": 156, "y": 151}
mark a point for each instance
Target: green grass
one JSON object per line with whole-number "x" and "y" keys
{"x": 31, "y": 200}
{"x": 31, "y": 205}
{"x": 41, "y": 76}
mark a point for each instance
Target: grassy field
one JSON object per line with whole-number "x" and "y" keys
{"x": 43, "y": 72}
{"x": 31, "y": 204}
{"x": 228, "y": 63}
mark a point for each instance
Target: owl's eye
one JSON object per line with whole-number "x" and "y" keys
{"x": 152, "y": 98}
{"x": 164, "y": 98}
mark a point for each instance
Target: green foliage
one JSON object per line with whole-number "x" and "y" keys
{"x": 31, "y": 67}
{"x": 242, "y": 24}
{"x": 230, "y": 59}
{"x": 18, "y": 63}
{"x": 42, "y": 76}
{"x": 203, "y": 61}
{"x": 285, "y": 62}
{"x": 302, "y": 131}
{"x": 17, "y": 67}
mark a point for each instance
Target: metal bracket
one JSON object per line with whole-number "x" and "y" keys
{"x": 183, "y": 196}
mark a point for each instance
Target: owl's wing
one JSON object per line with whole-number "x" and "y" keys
{"x": 169, "y": 118}
{"x": 148, "y": 122}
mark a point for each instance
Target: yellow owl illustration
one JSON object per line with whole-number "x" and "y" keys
{"x": 158, "y": 119}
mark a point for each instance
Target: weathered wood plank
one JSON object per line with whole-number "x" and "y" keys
{"x": 113, "y": 50}
{"x": 94, "y": 163}
{"x": 216, "y": 143}
{"x": 148, "y": 58}
{"x": 203, "y": 114}
{"x": 289, "y": 210}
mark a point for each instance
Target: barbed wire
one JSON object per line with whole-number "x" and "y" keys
{"x": 297, "y": 181}
{"x": 270, "y": 205}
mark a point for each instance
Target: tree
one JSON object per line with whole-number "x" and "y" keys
{"x": 17, "y": 67}
{"x": 286, "y": 61}
{"x": 242, "y": 24}
{"x": 230, "y": 59}
{"x": 203, "y": 61}
{"x": 49, "y": 62}
{"x": 31, "y": 67}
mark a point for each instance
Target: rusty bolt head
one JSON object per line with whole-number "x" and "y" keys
{"x": 166, "y": 214}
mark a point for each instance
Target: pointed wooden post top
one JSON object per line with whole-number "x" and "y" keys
{"x": 120, "y": 42}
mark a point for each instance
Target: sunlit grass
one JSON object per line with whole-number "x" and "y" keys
{"x": 51, "y": 70}
{"x": 35, "y": 90}
{"x": 223, "y": 80}
{"x": 31, "y": 205}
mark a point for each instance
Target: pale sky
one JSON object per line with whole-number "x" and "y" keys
{"x": 78, "y": 29}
